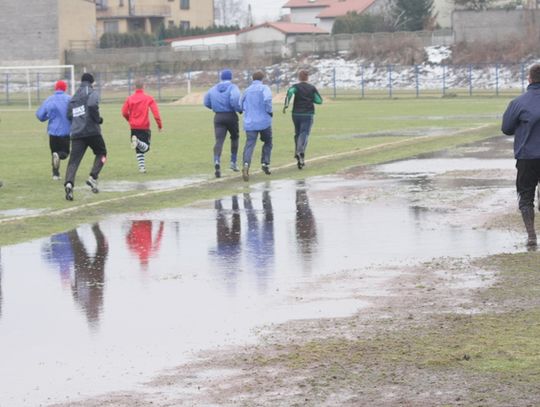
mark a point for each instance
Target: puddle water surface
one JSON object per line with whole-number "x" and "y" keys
{"x": 107, "y": 306}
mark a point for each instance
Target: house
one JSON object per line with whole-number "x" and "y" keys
{"x": 277, "y": 31}
{"x": 323, "y": 13}
{"x": 267, "y": 32}
{"x": 38, "y": 32}
{"x": 121, "y": 16}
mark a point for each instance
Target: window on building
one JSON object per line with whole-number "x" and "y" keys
{"x": 101, "y": 4}
{"x": 184, "y": 4}
{"x": 121, "y": 3}
{"x": 184, "y": 25}
{"x": 111, "y": 26}
{"x": 170, "y": 23}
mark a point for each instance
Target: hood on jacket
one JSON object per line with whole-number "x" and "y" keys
{"x": 222, "y": 87}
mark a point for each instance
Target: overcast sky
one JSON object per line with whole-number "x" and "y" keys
{"x": 265, "y": 10}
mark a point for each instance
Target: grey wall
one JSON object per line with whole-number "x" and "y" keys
{"x": 495, "y": 25}
{"x": 29, "y": 32}
{"x": 302, "y": 44}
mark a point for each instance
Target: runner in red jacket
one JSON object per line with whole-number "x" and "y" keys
{"x": 135, "y": 111}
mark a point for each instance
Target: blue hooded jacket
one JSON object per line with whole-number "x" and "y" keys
{"x": 223, "y": 97}
{"x": 54, "y": 109}
{"x": 522, "y": 120}
{"x": 256, "y": 102}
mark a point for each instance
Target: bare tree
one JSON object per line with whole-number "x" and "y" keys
{"x": 231, "y": 12}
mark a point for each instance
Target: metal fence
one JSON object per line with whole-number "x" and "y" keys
{"x": 337, "y": 78}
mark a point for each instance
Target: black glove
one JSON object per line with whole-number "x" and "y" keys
{"x": 271, "y": 114}
{"x": 101, "y": 120}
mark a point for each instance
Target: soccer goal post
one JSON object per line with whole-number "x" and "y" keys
{"x": 27, "y": 86}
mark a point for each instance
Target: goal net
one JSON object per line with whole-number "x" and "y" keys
{"x": 25, "y": 87}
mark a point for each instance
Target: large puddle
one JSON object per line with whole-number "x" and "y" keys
{"x": 107, "y": 306}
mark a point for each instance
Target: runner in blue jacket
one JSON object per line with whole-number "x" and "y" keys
{"x": 223, "y": 99}
{"x": 54, "y": 110}
{"x": 522, "y": 120}
{"x": 256, "y": 103}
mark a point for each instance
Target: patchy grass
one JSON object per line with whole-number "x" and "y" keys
{"x": 184, "y": 149}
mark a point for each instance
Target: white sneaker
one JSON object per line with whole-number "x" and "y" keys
{"x": 142, "y": 170}
{"x": 134, "y": 142}
{"x": 92, "y": 183}
{"x": 56, "y": 177}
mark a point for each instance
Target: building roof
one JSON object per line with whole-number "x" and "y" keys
{"x": 341, "y": 7}
{"x": 290, "y": 28}
{"x": 308, "y": 3}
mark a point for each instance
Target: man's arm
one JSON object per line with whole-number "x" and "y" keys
{"x": 234, "y": 99}
{"x": 125, "y": 110}
{"x": 317, "y": 98}
{"x": 43, "y": 112}
{"x": 93, "y": 108}
{"x": 290, "y": 93}
{"x": 155, "y": 111}
{"x": 207, "y": 101}
{"x": 510, "y": 120}
{"x": 267, "y": 94}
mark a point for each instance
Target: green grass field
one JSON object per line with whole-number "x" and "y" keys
{"x": 389, "y": 130}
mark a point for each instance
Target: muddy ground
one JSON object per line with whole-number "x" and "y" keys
{"x": 448, "y": 332}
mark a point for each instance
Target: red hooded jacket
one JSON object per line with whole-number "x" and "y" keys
{"x": 135, "y": 110}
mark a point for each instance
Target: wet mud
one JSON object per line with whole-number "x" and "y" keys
{"x": 109, "y": 306}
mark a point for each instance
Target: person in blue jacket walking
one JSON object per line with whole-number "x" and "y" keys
{"x": 54, "y": 110}
{"x": 522, "y": 120}
{"x": 223, "y": 99}
{"x": 256, "y": 103}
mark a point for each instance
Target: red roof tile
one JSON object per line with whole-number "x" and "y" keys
{"x": 290, "y": 28}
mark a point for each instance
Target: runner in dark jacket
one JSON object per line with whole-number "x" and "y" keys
{"x": 83, "y": 112}
{"x": 305, "y": 95}
{"x": 522, "y": 120}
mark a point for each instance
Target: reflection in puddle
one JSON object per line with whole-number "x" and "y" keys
{"x": 157, "y": 287}
{"x": 142, "y": 242}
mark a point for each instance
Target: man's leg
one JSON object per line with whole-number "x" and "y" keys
{"x": 220, "y": 132}
{"x": 266, "y": 138}
{"x": 78, "y": 147}
{"x": 305, "y": 127}
{"x": 141, "y": 140}
{"x": 234, "y": 131}
{"x": 526, "y": 182}
{"x": 251, "y": 140}
{"x": 59, "y": 146}
{"x": 297, "y": 122}
{"x": 97, "y": 144}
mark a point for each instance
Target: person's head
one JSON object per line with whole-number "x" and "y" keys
{"x": 60, "y": 85}
{"x": 258, "y": 76}
{"x": 226, "y": 75}
{"x": 303, "y": 75}
{"x": 534, "y": 74}
{"x": 86, "y": 77}
{"x": 139, "y": 84}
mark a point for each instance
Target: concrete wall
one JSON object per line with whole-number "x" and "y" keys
{"x": 77, "y": 23}
{"x": 29, "y": 32}
{"x": 295, "y": 46}
{"x": 495, "y": 25}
